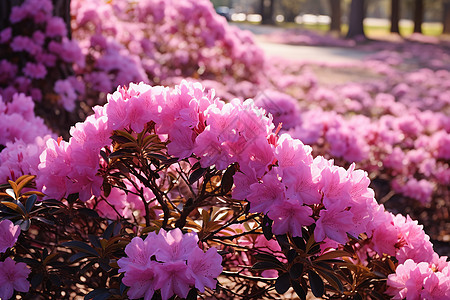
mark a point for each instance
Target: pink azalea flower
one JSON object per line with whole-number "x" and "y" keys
{"x": 300, "y": 185}
{"x": 174, "y": 278}
{"x": 204, "y": 267}
{"x": 179, "y": 265}
{"x": 13, "y": 276}
{"x": 291, "y": 152}
{"x": 174, "y": 245}
{"x": 37, "y": 71}
{"x": 8, "y": 234}
{"x": 336, "y": 187}
{"x": 333, "y": 224}
{"x": 290, "y": 216}
{"x": 267, "y": 193}
{"x": 141, "y": 280}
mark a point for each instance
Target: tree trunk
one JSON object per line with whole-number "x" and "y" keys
{"x": 355, "y": 26}
{"x": 446, "y": 18}
{"x": 267, "y": 9}
{"x": 5, "y": 11}
{"x": 336, "y": 15}
{"x": 395, "y": 16}
{"x": 418, "y": 15}
{"x": 61, "y": 8}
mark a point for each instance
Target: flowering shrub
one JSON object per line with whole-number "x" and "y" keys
{"x": 207, "y": 174}
{"x": 37, "y": 55}
{"x": 398, "y": 136}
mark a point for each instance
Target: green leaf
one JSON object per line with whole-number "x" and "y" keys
{"x": 109, "y": 230}
{"x": 36, "y": 280}
{"x": 227, "y": 179}
{"x": 94, "y": 240}
{"x": 333, "y": 280}
{"x": 296, "y": 270}
{"x": 299, "y": 290}
{"x": 78, "y": 256}
{"x": 333, "y": 254}
{"x": 266, "y": 265}
{"x": 291, "y": 255}
{"x": 14, "y": 206}
{"x": 267, "y": 227}
{"x": 310, "y": 242}
{"x": 357, "y": 297}
{"x": 196, "y": 175}
{"x": 81, "y": 246}
{"x": 88, "y": 212}
{"x": 122, "y": 152}
{"x": 98, "y": 294}
{"x": 73, "y": 197}
{"x": 24, "y": 224}
{"x": 299, "y": 242}
{"x": 283, "y": 241}
{"x": 267, "y": 257}
{"x": 157, "y": 157}
{"x": 123, "y": 287}
{"x": 44, "y": 220}
{"x": 30, "y": 203}
{"x": 316, "y": 282}
{"x": 192, "y": 295}
{"x": 314, "y": 249}
{"x": 283, "y": 283}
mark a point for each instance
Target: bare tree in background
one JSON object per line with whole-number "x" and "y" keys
{"x": 418, "y": 15}
{"x": 357, "y": 14}
{"x": 395, "y": 16}
{"x": 336, "y": 14}
{"x": 267, "y": 11}
{"x": 446, "y": 17}
{"x": 290, "y": 9}
{"x": 61, "y": 9}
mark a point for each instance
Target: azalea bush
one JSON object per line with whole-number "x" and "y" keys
{"x": 171, "y": 192}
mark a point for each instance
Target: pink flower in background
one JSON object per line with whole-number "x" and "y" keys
{"x": 283, "y": 108}
{"x": 5, "y": 35}
{"x": 8, "y": 234}
{"x": 13, "y": 276}
{"x": 56, "y": 27}
{"x": 37, "y": 71}
{"x": 67, "y": 93}
{"x": 420, "y": 190}
{"x": 21, "y": 43}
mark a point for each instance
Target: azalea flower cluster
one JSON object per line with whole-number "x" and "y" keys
{"x": 169, "y": 261}
{"x": 13, "y": 276}
{"x": 43, "y": 51}
{"x": 114, "y": 43}
{"x": 161, "y": 42}
{"x": 279, "y": 177}
{"x": 413, "y": 147}
{"x": 22, "y": 135}
{"x": 421, "y": 280}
